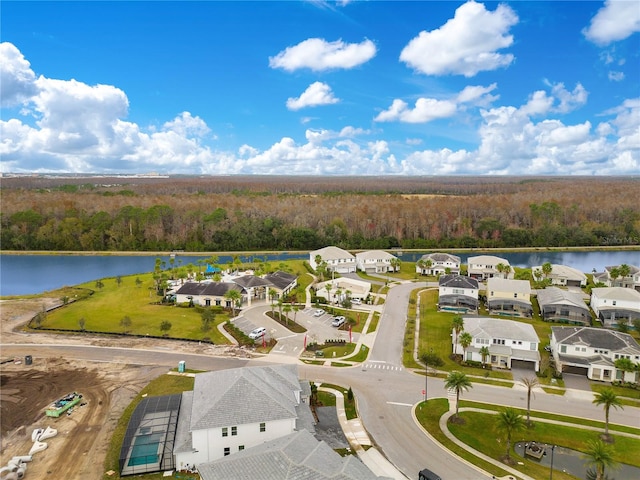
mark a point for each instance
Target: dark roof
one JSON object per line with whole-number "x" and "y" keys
{"x": 214, "y": 289}
{"x": 458, "y": 281}
{"x": 250, "y": 281}
{"x": 596, "y": 337}
{"x": 280, "y": 279}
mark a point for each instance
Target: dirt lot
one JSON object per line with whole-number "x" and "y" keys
{"x": 79, "y": 449}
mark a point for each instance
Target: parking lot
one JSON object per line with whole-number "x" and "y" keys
{"x": 318, "y": 328}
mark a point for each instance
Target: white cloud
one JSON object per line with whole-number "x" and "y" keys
{"x": 466, "y": 44}
{"x": 316, "y": 94}
{"x": 478, "y": 95}
{"x": 617, "y": 20}
{"x": 317, "y": 54}
{"x": 569, "y": 101}
{"x": 185, "y": 124}
{"x": 17, "y": 80}
{"x": 425, "y": 110}
{"x": 616, "y": 76}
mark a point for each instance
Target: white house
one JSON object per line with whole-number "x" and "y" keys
{"x": 230, "y": 410}
{"x": 376, "y": 261}
{"x": 457, "y": 293}
{"x": 336, "y": 259}
{"x": 209, "y": 294}
{"x": 593, "y": 351}
{"x": 438, "y": 264}
{"x": 511, "y": 344}
{"x": 483, "y": 267}
{"x": 509, "y": 297}
{"x": 561, "y": 275}
{"x": 615, "y": 304}
{"x": 632, "y": 280}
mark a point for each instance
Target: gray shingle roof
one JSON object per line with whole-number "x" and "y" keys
{"x": 458, "y": 281}
{"x": 441, "y": 257}
{"x": 214, "y": 289}
{"x": 557, "y": 296}
{"x": 249, "y": 281}
{"x": 497, "y": 328}
{"x": 280, "y": 279}
{"x": 597, "y": 338}
{"x": 244, "y": 395}
{"x": 297, "y": 456}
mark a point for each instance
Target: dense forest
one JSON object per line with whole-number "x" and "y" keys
{"x": 240, "y": 213}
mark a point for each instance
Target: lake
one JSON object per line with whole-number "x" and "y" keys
{"x": 30, "y": 274}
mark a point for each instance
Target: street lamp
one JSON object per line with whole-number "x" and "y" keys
{"x": 553, "y": 447}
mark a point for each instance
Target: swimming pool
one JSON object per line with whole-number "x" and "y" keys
{"x": 145, "y": 449}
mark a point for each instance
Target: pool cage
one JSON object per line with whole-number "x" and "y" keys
{"x": 150, "y": 436}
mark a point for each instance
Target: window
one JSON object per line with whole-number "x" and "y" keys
{"x": 614, "y": 302}
{"x": 227, "y": 451}
{"x": 263, "y": 427}
{"x": 225, "y": 432}
{"x": 240, "y": 447}
{"x": 234, "y": 431}
{"x": 515, "y": 295}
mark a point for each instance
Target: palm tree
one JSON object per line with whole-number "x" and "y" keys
{"x": 600, "y": 455}
{"x": 509, "y": 421}
{"x": 296, "y": 308}
{"x": 625, "y": 365}
{"x": 465, "y": 341}
{"x": 607, "y": 398}
{"x": 458, "y": 325}
{"x": 502, "y": 268}
{"x": 484, "y": 353}
{"x": 286, "y": 308}
{"x": 546, "y": 269}
{"x": 530, "y": 383}
{"x": 395, "y": 264}
{"x": 614, "y": 273}
{"x": 457, "y": 381}
{"x": 234, "y": 297}
{"x": 421, "y": 265}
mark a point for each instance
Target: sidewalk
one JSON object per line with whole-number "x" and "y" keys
{"x": 358, "y": 439}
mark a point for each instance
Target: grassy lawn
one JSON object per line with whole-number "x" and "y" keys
{"x": 631, "y": 395}
{"x": 163, "y": 385}
{"x": 104, "y": 310}
{"x": 429, "y": 416}
{"x": 361, "y": 356}
{"x": 373, "y": 326}
{"x": 569, "y": 437}
{"x": 349, "y": 405}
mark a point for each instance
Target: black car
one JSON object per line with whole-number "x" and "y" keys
{"x": 427, "y": 475}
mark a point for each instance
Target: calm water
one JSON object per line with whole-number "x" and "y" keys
{"x": 28, "y": 274}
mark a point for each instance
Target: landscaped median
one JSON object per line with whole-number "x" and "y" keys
{"x": 477, "y": 430}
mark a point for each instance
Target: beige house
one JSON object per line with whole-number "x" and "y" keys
{"x": 509, "y": 297}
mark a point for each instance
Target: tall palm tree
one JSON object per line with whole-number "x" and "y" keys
{"x": 458, "y": 382}
{"x": 465, "y": 341}
{"x": 458, "y": 325}
{"x": 607, "y": 398}
{"x": 484, "y": 353}
{"x": 286, "y": 308}
{"x": 395, "y": 264}
{"x": 234, "y": 298}
{"x": 509, "y": 421}
{"x": 530, "y": 383}
{"x": 600, "y": 456}
{"x": 546, "y": 269}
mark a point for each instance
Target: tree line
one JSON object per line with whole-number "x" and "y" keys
{"x": 199, "y": 215}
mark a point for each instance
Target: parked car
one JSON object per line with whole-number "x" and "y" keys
{"x": 338, "y": 321}
{"x": 356, "y": 301}
{"x": 427, "y": 475}
{"x": 257, "y": 333}
{"x": 318, "y": 313}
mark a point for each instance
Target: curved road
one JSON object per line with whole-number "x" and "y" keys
{"x": 385, "y": 391}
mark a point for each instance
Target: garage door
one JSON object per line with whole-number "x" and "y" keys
{"x": 573, "y": 283}
{"x": 575, "y": 370}
{"x": 523, "y": 365}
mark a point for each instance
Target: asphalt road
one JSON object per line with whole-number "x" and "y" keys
{"x": 385, "y": 391}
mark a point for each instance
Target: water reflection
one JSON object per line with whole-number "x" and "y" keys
{"x": 567, "y": 460}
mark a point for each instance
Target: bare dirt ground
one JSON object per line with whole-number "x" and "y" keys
{"x": 79, "y": 449}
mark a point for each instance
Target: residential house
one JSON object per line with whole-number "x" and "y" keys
{"x": 611, "y": 277}
{"x": 236, "y": 409}
{"x": 509, "y": 297}
{"x": 487, "y": 266}
{"x": 438, "y": 264}
{"x": 292, "y": 457}
{"x": 561, "y": 275}
{"x": 593, "y": 351}
{"x": 457, "y": 293}
{"x": 336, "y": 260}
{"x": 615, "y": 304}
{"x": 510, "y": 343}
{"x": 563, "y": 306}
{"x": 208, "y": 294}
{"x": 337, "y": 290}
{"x": 376, "y": 261}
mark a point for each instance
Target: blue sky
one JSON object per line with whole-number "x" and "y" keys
{"x": 321, "y": 88}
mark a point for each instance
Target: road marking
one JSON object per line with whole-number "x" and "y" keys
{"x": 401, "y": 404}
{"x": 377, "y": 361}
{"x": 288, "y": 336}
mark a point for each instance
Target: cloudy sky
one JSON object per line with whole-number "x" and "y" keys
{"x": 321, "y": 88}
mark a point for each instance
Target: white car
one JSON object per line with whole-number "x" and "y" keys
{"x": 338, "y": 321}
{"x": 257, "y": 333}
{"x": 356, "y": 301}
{"x": 318, "y": 313}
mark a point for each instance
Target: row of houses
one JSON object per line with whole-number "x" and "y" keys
{"x": 583, "y": 350}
